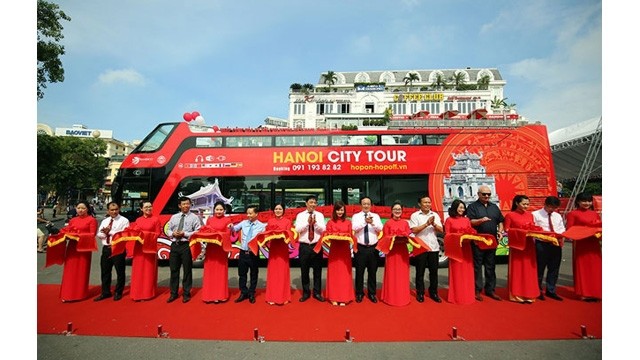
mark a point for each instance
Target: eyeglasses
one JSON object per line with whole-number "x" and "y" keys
{"x": 485, "y": 194}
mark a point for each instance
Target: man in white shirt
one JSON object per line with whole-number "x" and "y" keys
{"x": 424, "y": 223}
{"x": 310, "y": 225}
{"x": 111, "y": 225}
{"x": 549, "y": 256}
{"x": 366, "y": 225}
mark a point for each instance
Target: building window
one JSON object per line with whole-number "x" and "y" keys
{"x": 369, "y": 108}
{"x": 399, "y": 108}
{"x": 298, "y": 108}
{"x": 344, "y": 108}
{"x": 324, "y": 108}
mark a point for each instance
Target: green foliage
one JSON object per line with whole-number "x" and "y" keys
{"x": 49, "y": 50}
{"x": 349, "y": 127}
{"x": 295, "y": 86}
{"x": 70, "y": 163}
{"x": 483, "y": 82}
{"x": 330, "y": 78}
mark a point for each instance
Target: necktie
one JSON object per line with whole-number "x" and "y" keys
{"x": 181, "y": 224}
{"x": 366, "y": 231}
{"x": 310, "y": 228}
{"x": 108, "y": 235}
{"x": 550, "y": 223}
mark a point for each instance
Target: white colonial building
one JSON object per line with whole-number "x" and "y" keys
{"x": 352, "y": 98}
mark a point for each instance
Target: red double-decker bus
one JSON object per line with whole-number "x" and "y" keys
{"x": 263, "y": 166}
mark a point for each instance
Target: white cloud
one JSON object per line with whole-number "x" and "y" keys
{"x": 128, "y": 76}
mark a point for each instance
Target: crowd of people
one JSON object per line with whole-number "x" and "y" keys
{"x": 471, "y": 231}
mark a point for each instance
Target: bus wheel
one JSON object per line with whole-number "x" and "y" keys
{"x": 443, "y": 260}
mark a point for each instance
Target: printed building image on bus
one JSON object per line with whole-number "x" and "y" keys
{"x": 261, "y": 166}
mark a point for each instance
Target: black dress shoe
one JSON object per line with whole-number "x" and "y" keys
{"x": 420, "y": 297}
{"x": 241, "y": 298}
{"x": 494, "y": 296}
{"x": 117, "y": 297}
{"x": 554, "y": 296}
{"x": 373, "y": 298}
{"x": 304, "y": 297}
{"x": 541, "y": 297}
{"x": 252, "y": 299}
{"x": 318, "y": 297}
{"x": 435, "y": 298}
{"x": 186, "y": 298}
{"x": 172, "y": 298}
{"x": 479, "y": 297}
{"x": 359, "y": 298}
{"x": 101, "y": 297}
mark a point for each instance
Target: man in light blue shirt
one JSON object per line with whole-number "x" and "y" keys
{"x": 247, "y": 260}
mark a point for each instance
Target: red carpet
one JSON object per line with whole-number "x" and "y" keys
{"x": 314, "y": 321}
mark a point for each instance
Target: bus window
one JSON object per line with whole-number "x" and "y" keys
{"x": 249, "y": 191}
{"x": 209, "y": 142}
{"x": 294, "y": 190}
{"x": 351, "y": 188}
{"x": 406, "y": 189}
{"x": 248, "y": 141}
{"x": 155, "y": 140}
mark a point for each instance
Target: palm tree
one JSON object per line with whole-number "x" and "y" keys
{"x": 483, "y": 82}
{"x": 499, "y": 103}
{"x": 307, "y": 88}
{"x": 410, "y": 78}
{"x": 458, "y": 79}
{"x": 439, "y": 82}
{"x": 330, "y": 78}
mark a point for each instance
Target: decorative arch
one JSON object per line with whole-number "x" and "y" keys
{"x": 484, "y": 72}
{"x": 341, "y": 79}
{"x": 434, "y": 74}
{"x": 362, "y": 77}
{"x": 413, "y": 72}
{"x": 387, "y": 77}
{"x": 466, "y": 74}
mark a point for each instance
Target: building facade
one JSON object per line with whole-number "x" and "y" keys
{"x": 341, "y": 98}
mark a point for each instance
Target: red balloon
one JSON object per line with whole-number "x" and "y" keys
{"x": 215, "y": 128}
{"x": 187, "y": 117}
{"x": 195, "y": 114}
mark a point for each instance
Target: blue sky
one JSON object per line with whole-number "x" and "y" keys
{"x": 130, "y": 65}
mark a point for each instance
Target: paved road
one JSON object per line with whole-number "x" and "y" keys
{"x": 102, "y": 348}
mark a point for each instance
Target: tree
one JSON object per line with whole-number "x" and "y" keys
{"x": 307, "y": 88}
{"x": 498, "y": 103}
{"x": 49, "y": 50}
{"x": 330, "y": 78}
{"x": 458, "y": 80}
{"x": 295, "y": 87}
{"x": 70, "y": 164}
{"x": 483, "y": 82}
{"x": 410, "y": 78}
{"x": 439, "y": 82}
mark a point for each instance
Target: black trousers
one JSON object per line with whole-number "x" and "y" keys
{"x": 309, "y": 259}
{"x": 366, "y": 259}
{"x": 548, "y": 256}
{"x": 486, "y": 258}
{"x": 423, "y": 261}
{"x": 107, "y": 263}
{"x": 180, "y": 255}
{"x": 247, "y": 261}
